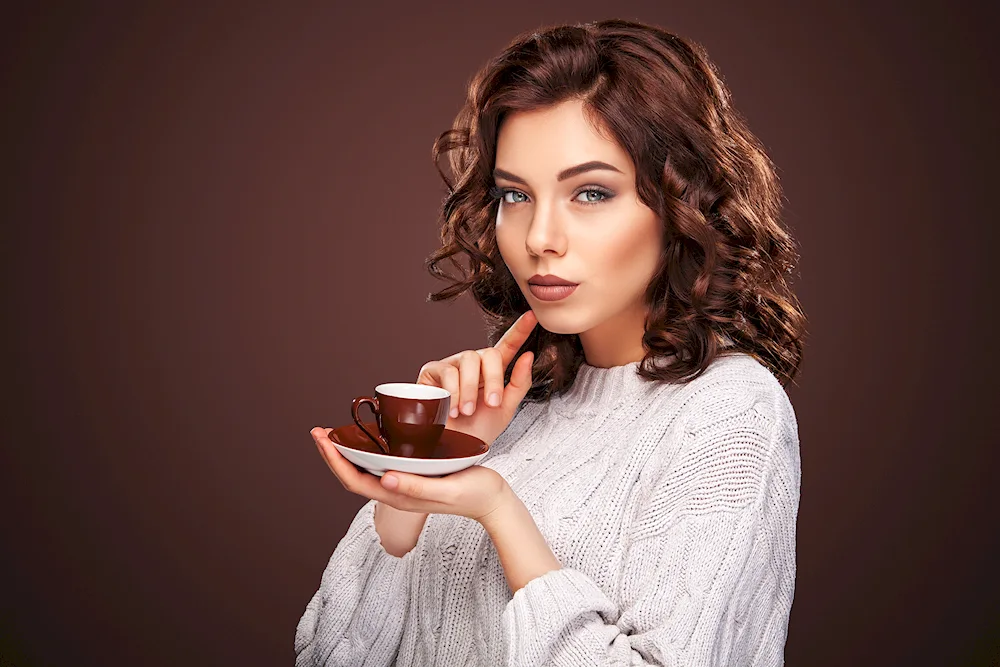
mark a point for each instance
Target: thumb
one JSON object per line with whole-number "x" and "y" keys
{"x": 520, "y": 383}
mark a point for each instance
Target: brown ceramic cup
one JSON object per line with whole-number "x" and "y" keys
{"x": 409, "y": 416}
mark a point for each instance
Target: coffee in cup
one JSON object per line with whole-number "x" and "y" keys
{"x": 409, "y": 416}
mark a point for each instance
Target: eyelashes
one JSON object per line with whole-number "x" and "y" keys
{"x": 499, "y": 193}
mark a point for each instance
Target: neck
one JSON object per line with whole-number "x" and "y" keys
{"x": 616, "y": 341}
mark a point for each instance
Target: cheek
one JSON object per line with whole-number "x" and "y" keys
{"x": 633, "y": 256}
{"x": 507, "y": 244}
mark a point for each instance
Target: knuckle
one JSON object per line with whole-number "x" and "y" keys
{"x": 472, "y": 361}
{"x": 493, "y": 355}
{"x": 433, "y": 366}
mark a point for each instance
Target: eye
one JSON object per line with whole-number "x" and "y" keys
{"x": 591, "y": 195}
{"x": 515, "y": 195}
{"x": 497, "y": 192}
{"x": 594, "y": 195}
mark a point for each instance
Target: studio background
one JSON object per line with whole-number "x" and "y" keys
{"x": 214, "y": 227}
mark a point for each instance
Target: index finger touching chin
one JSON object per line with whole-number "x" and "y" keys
{"x": 514, "y": 338}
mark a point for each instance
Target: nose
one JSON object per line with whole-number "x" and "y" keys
{"x": 546, "y": 233}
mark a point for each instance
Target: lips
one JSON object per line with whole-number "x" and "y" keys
{"x": 548, "y": 280}
{"x": 550, "y": 288}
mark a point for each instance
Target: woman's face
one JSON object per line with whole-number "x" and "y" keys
{"x": 587, "y": 227}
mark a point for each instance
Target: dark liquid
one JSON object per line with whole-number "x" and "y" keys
{"x": 451, "y": 445}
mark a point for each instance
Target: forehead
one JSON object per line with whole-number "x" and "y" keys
{"x": 540, "y": 143}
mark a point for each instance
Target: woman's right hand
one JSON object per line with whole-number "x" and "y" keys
{"x": 474, "y": 377}
{"x": 469, "y": 376}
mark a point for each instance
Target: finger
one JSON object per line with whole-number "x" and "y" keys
{"x": 514, "y": 338}
{"x": 469, "y": 366}
{"x": 520, "y": 382}
{"x": 349, "y": 476}
{"x": 436, "y": 492}
{"x": 443, "y": 374}
{"x": 364, "y": 483}
{"x": 346, "y": 472}
{"x": 493, "y": 368}
{"x": 333, "y": 459}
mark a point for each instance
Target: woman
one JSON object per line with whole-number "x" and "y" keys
{"x": 638, "y": 504}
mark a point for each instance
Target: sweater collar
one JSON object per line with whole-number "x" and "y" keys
{"x": 598, "y": 390}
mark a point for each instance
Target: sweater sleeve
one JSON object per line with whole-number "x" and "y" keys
{"x": 358, "y": 614}
{"x": 708, "y": 573}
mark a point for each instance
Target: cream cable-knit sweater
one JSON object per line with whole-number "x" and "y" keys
{"x": 672, "y": 509}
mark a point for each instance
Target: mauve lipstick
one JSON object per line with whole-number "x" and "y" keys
{"x": 550, "y": 288}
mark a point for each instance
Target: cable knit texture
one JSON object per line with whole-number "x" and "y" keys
{"x": 671, "y": 507}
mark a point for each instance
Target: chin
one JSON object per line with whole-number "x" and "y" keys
{"x": 558, "y": 323}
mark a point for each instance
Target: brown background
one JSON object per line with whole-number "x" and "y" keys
{"x": 214, "y": 224}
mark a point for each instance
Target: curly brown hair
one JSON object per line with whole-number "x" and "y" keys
{"x": 720, "y": 286}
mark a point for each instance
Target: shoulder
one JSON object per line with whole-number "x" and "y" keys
{"x": 735, "y": 388}
{"x": 733, "y": 438}
{"x": 735, "y": 417}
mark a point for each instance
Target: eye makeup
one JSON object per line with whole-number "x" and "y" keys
{"x": 496, "y": 192}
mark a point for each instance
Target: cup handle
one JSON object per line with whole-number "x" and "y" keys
{"x": 373, "y": 404}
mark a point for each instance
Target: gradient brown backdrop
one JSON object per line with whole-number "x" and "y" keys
{"x": 214, "y": 224}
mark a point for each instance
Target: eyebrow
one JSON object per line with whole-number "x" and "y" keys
{"x": 593, "y": 165}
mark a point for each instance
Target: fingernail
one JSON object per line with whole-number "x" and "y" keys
{"x": 390, "y": 481}
{"x": 467, "y": 408}
{"x": 494, "y": 399}
{"x": 454, "y": 412}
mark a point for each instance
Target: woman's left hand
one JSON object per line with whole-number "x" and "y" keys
{"x": 473, "y": 493}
